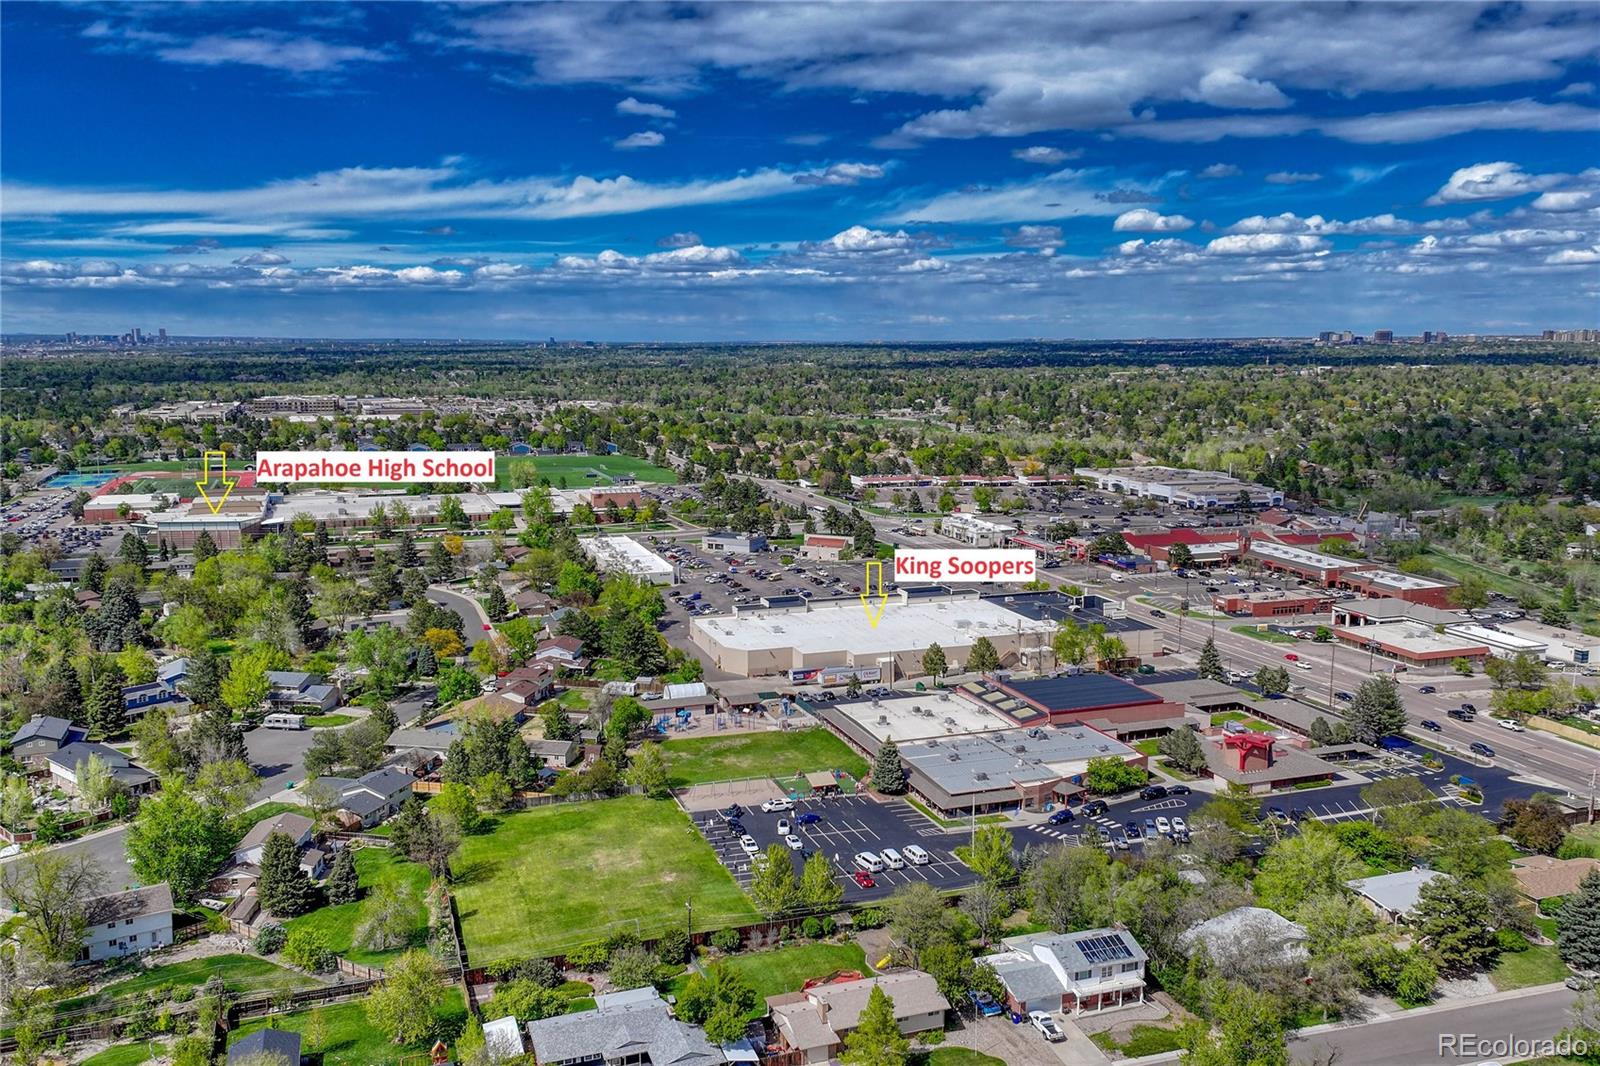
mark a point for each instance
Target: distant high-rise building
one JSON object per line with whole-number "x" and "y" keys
{"x": 162, "y": 333}
{"x": 1327, "y": 336}
{"x": 1548, "y": 335}
{"x": 1383, "y": 336}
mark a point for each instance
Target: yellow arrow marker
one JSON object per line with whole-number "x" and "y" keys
{"x": 221, "y": 459}
{"x": 874, "y": 614}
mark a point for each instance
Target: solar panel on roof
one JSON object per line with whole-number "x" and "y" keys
{"x": 1104, "y": 949}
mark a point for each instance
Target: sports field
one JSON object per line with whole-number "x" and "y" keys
{"x": 577, "y": 470}
{"x": 554, "y": 878}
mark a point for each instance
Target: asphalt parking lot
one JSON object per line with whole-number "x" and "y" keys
{"x": 845, "y": 826}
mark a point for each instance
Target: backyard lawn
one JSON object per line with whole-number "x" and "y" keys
{"x": 959, "y": 1056}
{"x": 240, "y": 973}
{"x": 374, "y": 866}
{"x": 697, "y": 760}
{"x": 128, "y": 1054}
{"x": 574, "y": 467}
{"x": 785, "y": 969}
{"x": 353, "y": 1041}
{"x": 553, "y": 878}
{"x": 252, "y": 815}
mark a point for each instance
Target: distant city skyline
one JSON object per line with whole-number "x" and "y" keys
{"x": 796, "y": 172}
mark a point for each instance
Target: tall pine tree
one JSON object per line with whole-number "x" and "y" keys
{"x": 105, "y": 710}
{"x": 1211, "y": 662}
{"x": 343, "y": 884}
{"x": 204, "y": 547}
{"x": 283, "y": 887}
{"x": 1578, "y": 940}
{"x": 888, "y": 773}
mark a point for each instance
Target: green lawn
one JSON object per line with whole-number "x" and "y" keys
{"x": 785, "y": 969}
{"x": 1151, "y": 745}
{"x": 374, "y": 866}
{"x": 1142, "y": 1040}
{"x": 240, "y": 973}
{"x": 128, "y": 1054}
{"x": 328, "y": 721}
{"x": 547, "y": 880}
{"x": 352, "y": 1040}
{"x": 956, "y": 823}
{"x": 697, "y": 760}
{"x": 1223, "y": 717}
{"x": 1539, "y": 965}
{"x": 267, "y": 810}
{"x": 574, "y": 467}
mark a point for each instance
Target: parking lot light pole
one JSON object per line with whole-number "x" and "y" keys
{"x": 689, "y": 927}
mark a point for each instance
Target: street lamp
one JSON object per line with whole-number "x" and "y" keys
{"x": 689, "y": 928}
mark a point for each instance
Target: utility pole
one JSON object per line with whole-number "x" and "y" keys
{"x": 1333, "y": 653}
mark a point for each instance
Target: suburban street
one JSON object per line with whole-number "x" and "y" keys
{"x": 1414, "y": 1038}
{"x": 474, "y": 623}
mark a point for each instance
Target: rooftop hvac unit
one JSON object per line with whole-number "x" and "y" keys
{"x": 949, "y": 721}
{"x": 979, "y": 775}
{"x": 883, "y": 719}
{"x": 1102, "y": 747}
{"x": 1036, "y": 733}
{"x": 933, "y": 743}
{"x": 954, "y": 756}
{"x": 1019, "y": 748}
{"x": 915, "y": 709}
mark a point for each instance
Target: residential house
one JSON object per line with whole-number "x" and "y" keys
{"x": 1233, "y": 937}
{"x": 314, "y": 863}
{"x": 300, "y": 692}
{"x": 44, "y": 735}
{"x": 528, "y": 685}
{"x": 1393, "y": 896}
{"x": 1540, "y": 877}
{"x": 124, "y": 923}
{"x": 564, "y": 651}
{"x": 266, "y": 1045}
{"x": 629, "y": 1027}
{"x": 814, "y": 1022}
{"x": 1092, "y": 970}
{"x": 297, "y": 827}
{"x": 502, "y": 1039}
{"x": 67, "y": 763}
{"x": 560, "y": 753}
{"x": 373, "y": 797}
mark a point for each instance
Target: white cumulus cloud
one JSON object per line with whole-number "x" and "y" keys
{"x": 1143, "y": 220}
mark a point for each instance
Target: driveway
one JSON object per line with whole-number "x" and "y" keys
{"x": 1019, "y": 1044}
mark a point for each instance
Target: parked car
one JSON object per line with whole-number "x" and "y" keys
{"x": 868, "y": 861}
{"x": 1163, "y": 826}
{"x": 915, "y": 855}
{"x": 748, "y": 843}
{"x": 1431, "y": 726}
{"x": 1178, "y": 824}
{"x": 985, "y": 1004}
{"x": 808, "y": 818}
{"x": 1061, "y": 817}
{"x": 863, "y": 879}
{"x": 732, "y": 811}
{"x": 1133, "y": 830}
{"x": 1153, "y": 792}
{"x": 794, "y": 842}
{"x": 1047, "y": 1026}
{"x": 1094, "y": 807}
{"x": 783, "y": 827}
{"x": 1178, "y": 790}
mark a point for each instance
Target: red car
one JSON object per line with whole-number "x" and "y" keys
{"x": 864, "y": 879}
{"x": 1292, "y": 657}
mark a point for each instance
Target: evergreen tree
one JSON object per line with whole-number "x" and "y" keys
{"x": 983, "y": 657}
{"x": 343, "y": 884}
{"x": 441, "y": 564}
{"x": 134, "y": 550}
{"x": 1211, "y": 662}
{"x": 876, "y": 1040}
{"x": 406, "y": 554}
{"x": 215, "y": 737}
{"x": 888, "y": 773}
{"x": 105, "y": 710}
{"x": 1183, "y": 749}
{"x": 494, "y": 604}
{"x": 1456, "y": 923}
{"x": 203, "y": 686}
{"x": 384, "y": 583}
{"x": 933, "y": 661}
{"x": 1321, "y": 733}
{"x": 63, "y": 692}
{"x": 1377, "y": 712}
{"x": 93, "y": 575}
{"x": 204, "y": 547}
{"x": 283, "y": 887}
{"x": 1578, "y": 939}
{"x": 427, "y": 662}
{"x": 319, "y": 545}
{"x": 413, "y": 587}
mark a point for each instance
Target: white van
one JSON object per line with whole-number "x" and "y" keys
{"x": 869, "y": 862}
{"x": 915, "y": 855}
{"x": 891, "y": 859}
{"x": 1118, "y": 578}
{"x": 284, "y": 721}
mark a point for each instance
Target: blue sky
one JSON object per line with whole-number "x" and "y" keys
{"x": 799, "y": 172}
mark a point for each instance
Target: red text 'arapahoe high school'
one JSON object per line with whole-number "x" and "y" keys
{"x": 338, "y": 468}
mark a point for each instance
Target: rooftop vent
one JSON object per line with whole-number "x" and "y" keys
{"x": 954, "y": 756}
{"x": 979, "y": 775}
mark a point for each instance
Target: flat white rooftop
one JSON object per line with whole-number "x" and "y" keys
{"x": 1497, "y": 638}
{"x": 1393, "y": 579}
{"x": 1301, "y": 556}
{"x": 328, "y": 506}
{"x": 843, "y": 627}
{"x": 626, "y": 555}
{"x": 1547, "y": 635}
{"x": 1416, "y": 639}
{"x": 921, "y": 716}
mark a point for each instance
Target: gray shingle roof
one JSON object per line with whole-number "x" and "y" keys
{"x": 278, "y": 1042}
{"x": 43, "y": 727}
{"x": 628, "y": 1029}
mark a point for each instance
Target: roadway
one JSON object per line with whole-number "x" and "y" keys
{"x": 474, "y": 622}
